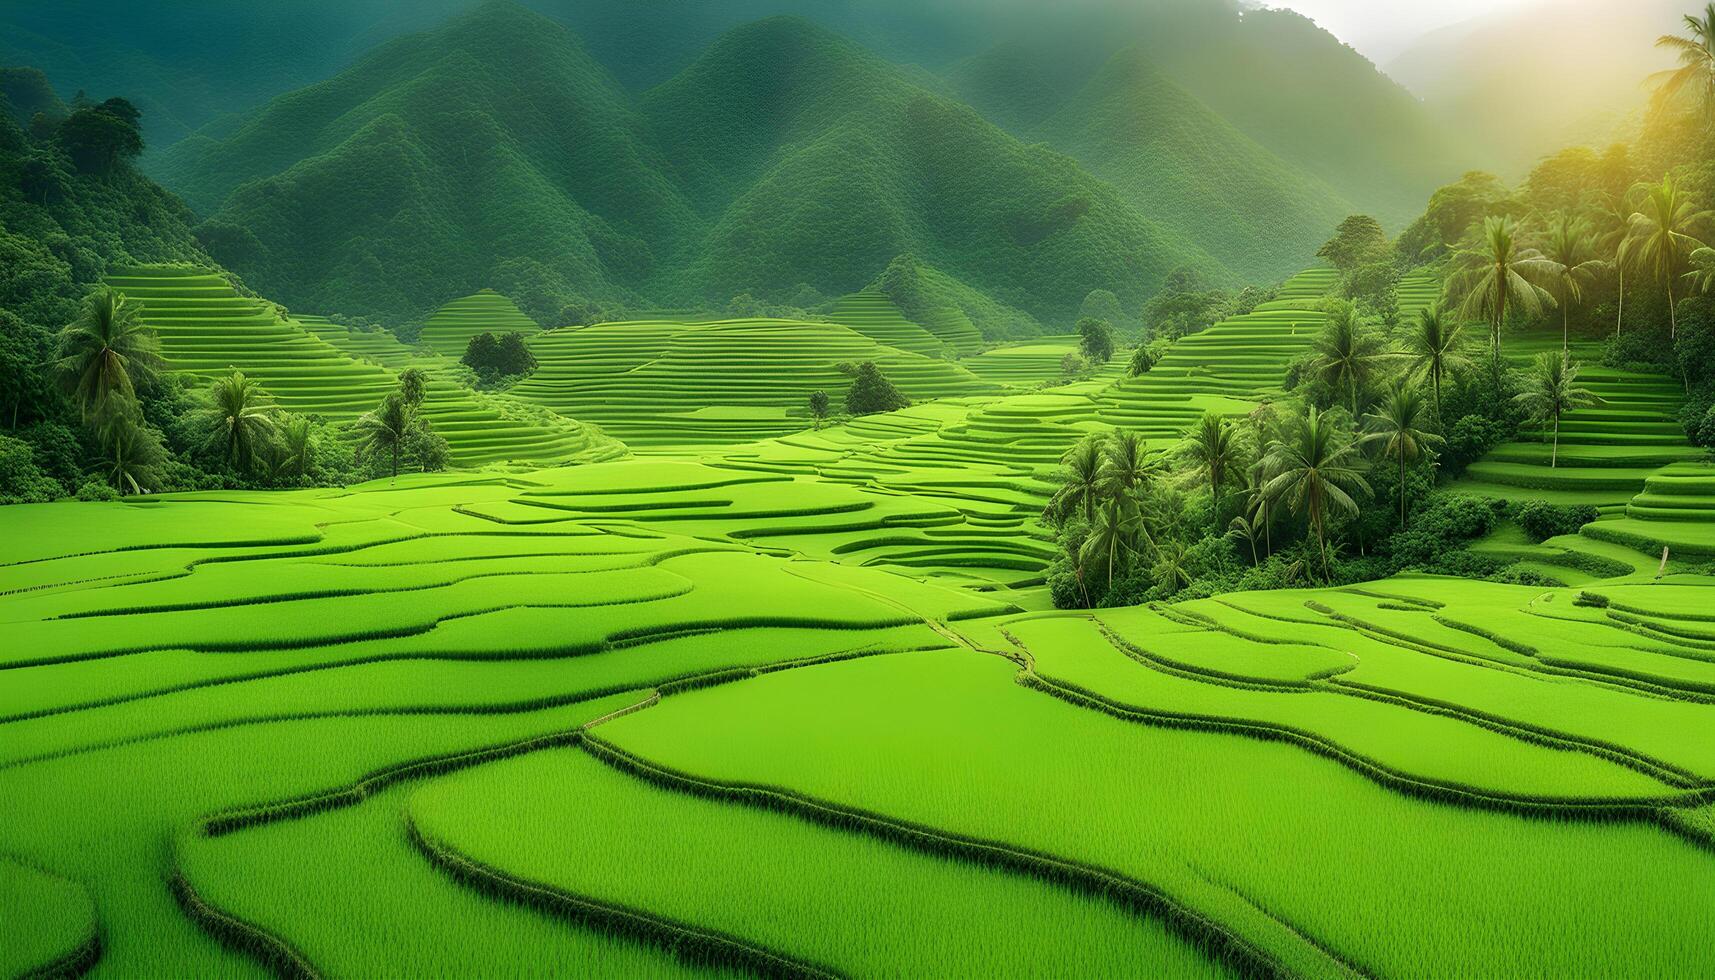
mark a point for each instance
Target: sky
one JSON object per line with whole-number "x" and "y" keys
{"x": 1381, "y": 29}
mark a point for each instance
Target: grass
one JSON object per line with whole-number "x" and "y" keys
{"x": 854, "y": 904}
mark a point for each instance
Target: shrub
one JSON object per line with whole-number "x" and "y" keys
{"x": 1470, "y": 439}
{"x": 21, "y": 481}
{"x": 1542, "y": 520}
{"x": 96, "y": 490}
{"x": 871, "y": 392}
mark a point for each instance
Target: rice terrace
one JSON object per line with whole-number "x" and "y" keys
{"x": 1162, "y": 488}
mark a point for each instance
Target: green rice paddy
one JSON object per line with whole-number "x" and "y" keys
{"x": 764, "y": 698}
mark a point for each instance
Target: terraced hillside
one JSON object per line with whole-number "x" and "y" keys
{"x": 545, "y": 717}
{"x": 312, "y": 366}
{"x": 1675, "y": 511}
{"x": 1027, "y": 363}
{"x": 1416, "y": 294}
{"x": 1607, "y": 451}
{"x": 873, "y": 314}
{"x": 656, "y": 383}
{"x": 1227, "y": 368}
{"x": 450, "y": 328}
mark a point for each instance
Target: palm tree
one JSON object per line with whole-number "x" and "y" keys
{"x": 1613, "y": 220}
{"x": 297, "y": 446}
{"x": 1397, "y": 428}
{"x": 1171, "y": 569}
{"x": 1436, "y": 349}
{"x": 130, "y": 455}
{"x": 239, "y": 419}
{"x": 1496, "y": 275}
{"x": 1116, "y": 532}
{"x": 1550, "y": 391}
{"x": 1215, "y": 454}
{"x": 1570, "y": 247}
{"x": 1126, "y": 468}
{"x": 1082, "y": 488}
{"x": 1244, "y": 526}
{"x": 1345, "y": 353}
{"x": 106, "y": 353}
{"x": 1318, "y": 472}
{"x": 1661, "y": 240}
{"x": 1697, "y": 64}
{"x": 386, "y": 429}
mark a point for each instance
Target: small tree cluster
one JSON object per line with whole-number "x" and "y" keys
{"x": 495, "y": 357}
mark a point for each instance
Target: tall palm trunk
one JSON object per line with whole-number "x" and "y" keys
{"x": 1620, "y": 317}
{"x": 1402, "y": 490}
{"x": 395, "y": 460}
{"x": 1554, "y": 453}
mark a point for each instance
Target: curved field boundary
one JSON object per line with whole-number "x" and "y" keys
{"x": 1137, "y": 896}
{"x": 693, "y": 945}
{"x": 279, "y": 956}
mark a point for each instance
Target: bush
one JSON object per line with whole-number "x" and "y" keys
{"x": 1470, "y": 439}
{"x": 493, "y": 357}
{"x": 96, "y": 490}
{"x": 1542, "y": 520}
{"x": 871, "y": 392}
{"x": 21, "y": 481}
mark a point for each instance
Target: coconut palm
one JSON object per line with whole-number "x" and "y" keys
{"x": 1496, "y": 275}
{"x": 1245, "y": 527}
{"x": 106, "y": 353}
{"x": 1661, "y": 238}
{"x": 1436, "y": 349}
{"x": 1082, "y": 487}
{"x": 1612, "y": 220}
{"x": 1317, "y": 471}
{"x": 386, "y": 429}
{"x": 239, "y": 419}
{"x": 1171, "y": 569}
{"x": 297, "y": 446}
{"x": 1550, "y": 390}
{"x": 1397, "y": 428}
{"x": 1570, "y": 248}
{"x": 1215, "y": 454}
{"x": 130, "y": 455}
{"x": 1696, "y": 72}
{"x": 1126, "y": 468}
{"x": 1116, "y": 533}
{"x": 1346, "y": 353}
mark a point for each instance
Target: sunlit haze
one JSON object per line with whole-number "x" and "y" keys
{"x": 1382, "y": 28}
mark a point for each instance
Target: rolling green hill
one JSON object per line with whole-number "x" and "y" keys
{"x": 450, "y": 329}
{"x": 1186, "y": 168}
{"x": 832, "y": 144}
{"x": 492, "y": 148}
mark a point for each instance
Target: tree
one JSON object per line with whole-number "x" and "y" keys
{"x": 297, "y": 446}
{"x": 1317, "y": 471}
{"x": 1214, "y": 453}
{"x": 1096, "y": 339}
{"x": 1397, "y": 426}
{"x": 1696, "y": 73}
{"x": 106, "y": 353}
{"x": 1359, "y": 239}
{"x": 239, "y": 419}
{"x": 131, "y": 455}
{"x": 1115, "y": 533}
{"x": 98, "y": 137}
{"x": 1346, "y": 354}
{"x": 1146, "y": 356}
{"x": 818, "y": 406}
{"x": 413, "y": 386}
{"x": 1570, "y": 249}
{"x": 1550, "y": 391}
{"x": 1081, "y": 485}
{"x": 1660, "y": 237}
{"x": 871, "y": 392}
{"x": 1126, "y": 467}
{"x": 1497, "y": 275}
{"x": 505, "y": 355}
{"x": 1436, "y": 349}
{"x": 386, "y": 429}
{"x": 1611, "y": 216}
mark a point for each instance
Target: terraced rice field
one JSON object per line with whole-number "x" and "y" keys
{"x": 650, "y": 383}
{"x": 776, "y": 710}
{"x": 311, "y": 366}
{"x": 449, "y": 329}
{"x": 786, "y": 701}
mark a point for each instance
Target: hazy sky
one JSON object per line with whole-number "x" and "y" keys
{"x": 1382, "y": 28}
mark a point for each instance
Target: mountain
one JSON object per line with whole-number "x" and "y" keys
{"x": 490, "y": 149}
{"x": 27, "y": 92}
{"x": 1506, "y": 78}
{"x": 1186, "y": 168}
{"x": 818, "y": 162}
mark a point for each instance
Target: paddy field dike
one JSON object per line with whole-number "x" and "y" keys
{"x": 664, "y": 680}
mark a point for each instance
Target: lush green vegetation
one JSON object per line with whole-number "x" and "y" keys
{"x": 779, "y": 523}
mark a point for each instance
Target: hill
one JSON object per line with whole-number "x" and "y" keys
{"x": 824, "y": 167}
{"x": 1186, "y": 168}
{"x": 492, "y": 151}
